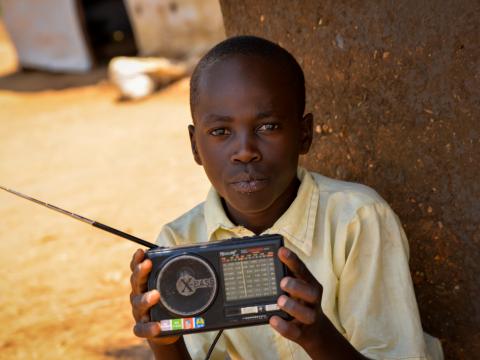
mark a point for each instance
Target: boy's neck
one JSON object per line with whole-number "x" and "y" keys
{"x": 258, "y": 222}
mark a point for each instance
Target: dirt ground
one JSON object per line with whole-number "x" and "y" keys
{"x": 64, "y": 286}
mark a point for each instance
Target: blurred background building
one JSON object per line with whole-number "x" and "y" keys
{"x": 73, "y": 35}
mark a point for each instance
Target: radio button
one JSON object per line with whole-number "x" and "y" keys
{"x": 272, "y": 307}
{"x": 249, "y": 310}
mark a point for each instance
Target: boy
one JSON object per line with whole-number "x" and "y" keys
{"x": 351, "y": 295}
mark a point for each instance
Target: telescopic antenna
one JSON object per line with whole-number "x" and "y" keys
{"x": 84, "y": 219}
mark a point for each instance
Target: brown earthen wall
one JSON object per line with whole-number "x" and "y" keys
{"x": 395, "y": 91}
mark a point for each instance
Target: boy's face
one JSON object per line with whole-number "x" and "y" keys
{"x": 248, "y": 133}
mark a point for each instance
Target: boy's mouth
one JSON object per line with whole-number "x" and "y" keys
{"x": 247, "y": 184}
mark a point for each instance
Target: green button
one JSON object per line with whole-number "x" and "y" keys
{"x": 177, "y": 324}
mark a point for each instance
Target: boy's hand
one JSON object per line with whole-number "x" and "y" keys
{"x": 142, "y": 301}
{"x": 310, "y": 328}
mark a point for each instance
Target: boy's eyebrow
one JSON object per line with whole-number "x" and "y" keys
{"x": 264, "y": 114}
{"x": 215, "y": 117}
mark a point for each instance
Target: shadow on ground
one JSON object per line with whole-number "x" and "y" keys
{"x": 135, "y": 352}
{"x": 26, "y": 80}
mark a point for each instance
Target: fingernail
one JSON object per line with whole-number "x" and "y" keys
{"x": 274, "y": 321}
{"x": 282, "y": 300}
{"x": 157, "y": 329}
{"x": 278, "y": 324}
{"x": 284, "y": 283}
{"x": 287, "y": 253}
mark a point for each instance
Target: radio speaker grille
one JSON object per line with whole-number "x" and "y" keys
{"x": 187, "y": 285}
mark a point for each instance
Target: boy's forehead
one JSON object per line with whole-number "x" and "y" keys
{"x": 237, "y": 69}
{"x": 245, "y": 81}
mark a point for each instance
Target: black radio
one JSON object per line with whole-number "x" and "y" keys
{"x": 217, "y": 285}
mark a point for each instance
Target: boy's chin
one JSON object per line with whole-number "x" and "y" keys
{"x": 249, "y": 203}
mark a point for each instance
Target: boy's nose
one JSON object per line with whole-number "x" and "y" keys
{"x": 245, "y": 150}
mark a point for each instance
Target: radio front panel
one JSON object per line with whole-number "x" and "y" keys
{"x": 217, "y": 285}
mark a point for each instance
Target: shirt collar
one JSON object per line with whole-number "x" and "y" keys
{"x": 296, "y": 225}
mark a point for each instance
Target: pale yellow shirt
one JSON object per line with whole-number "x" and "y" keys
{"x": 354, "y": 245}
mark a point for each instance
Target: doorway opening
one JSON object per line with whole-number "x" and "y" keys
{"x": 108, "y": 29}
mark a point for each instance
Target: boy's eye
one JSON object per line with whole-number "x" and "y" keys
{"x": 219, "y": 132}
{"x": 267, "y": 127}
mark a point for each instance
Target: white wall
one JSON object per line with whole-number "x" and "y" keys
{"x": 175, "y": 27}
{"x": 47, "y": 34}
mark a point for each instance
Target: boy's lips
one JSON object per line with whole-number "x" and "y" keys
{"x": 246, "y": 183}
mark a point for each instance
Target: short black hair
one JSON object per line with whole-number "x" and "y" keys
{"x": 250, "y": 46}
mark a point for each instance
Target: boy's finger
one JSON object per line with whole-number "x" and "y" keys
{"x": 287, "y": 329}
{"x": 302, "y": 313}
{"x": 298, "y": 268}
{"x": 146, "y": 330}
{"x": 139, "y": 276}
{"x": 136, "y": 258}
{"x": 301, "y": 289}
{"x": 142, "y": 303}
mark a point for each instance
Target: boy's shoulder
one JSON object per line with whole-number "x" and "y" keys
{"x": 180, "y": 230}
{"x": 344, "y": 197}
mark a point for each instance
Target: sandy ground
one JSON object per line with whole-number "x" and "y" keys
{"x": 64, "y": 285}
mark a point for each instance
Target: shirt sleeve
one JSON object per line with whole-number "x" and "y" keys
{"x": 376, "y": 300}
{"x": 165, "y": 238}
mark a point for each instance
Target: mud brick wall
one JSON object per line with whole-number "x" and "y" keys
{"x": 395, "y": 91}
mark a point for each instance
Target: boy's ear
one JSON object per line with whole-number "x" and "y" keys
{"x": 193, "y": 143}
{"x": 306, "y": 133}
